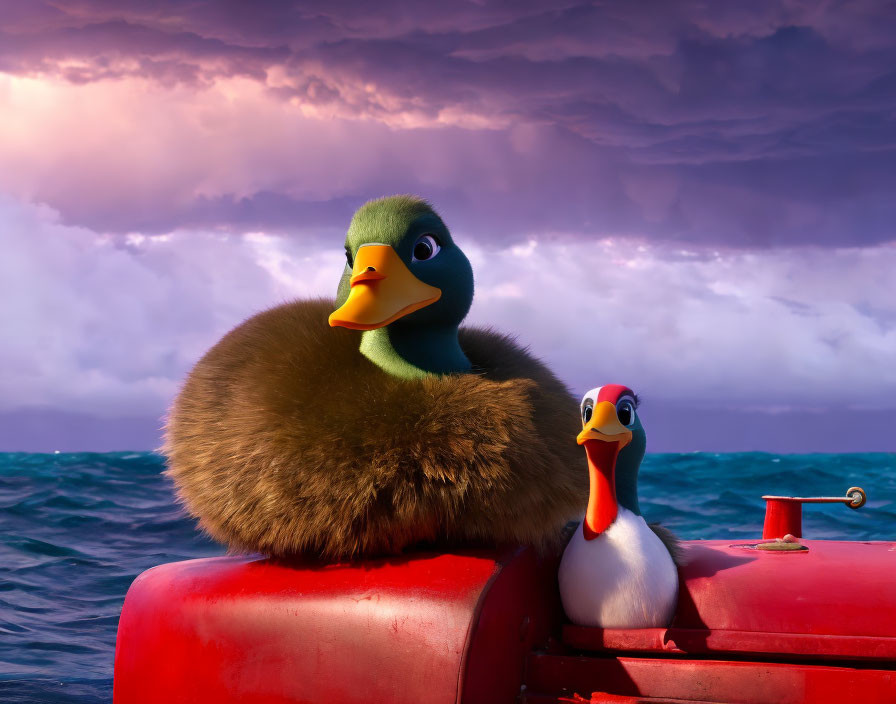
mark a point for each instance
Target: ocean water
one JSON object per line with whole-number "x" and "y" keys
{"x": 76, "y": 529}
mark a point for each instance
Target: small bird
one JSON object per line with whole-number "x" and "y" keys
{"x": 616, "y": 571}
{"x": 373, "y": 424}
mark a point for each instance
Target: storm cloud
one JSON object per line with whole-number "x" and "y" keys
{"x": 695, "y": 199}
{"x": 750, "y": 127}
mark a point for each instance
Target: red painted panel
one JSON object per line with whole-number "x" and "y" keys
{"x": 837, "y": 600}
{"x": 708, "y": 680}
{"x": 680, "y": 641}
{"x": 599, "y": 698}
{"x": 835, "y": 588}
{"x": 519, "y": 610}
{"x": 256, "y": 632}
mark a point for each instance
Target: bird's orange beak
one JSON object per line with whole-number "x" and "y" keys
{"x": 603, "y": 437}
{"x": 383, "y": 290}
{"x": 605, "y": 426}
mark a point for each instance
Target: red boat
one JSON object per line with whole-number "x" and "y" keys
{"x": 757, "y": 621}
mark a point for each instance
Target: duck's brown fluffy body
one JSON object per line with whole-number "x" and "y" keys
{"x": 286, "y": 440}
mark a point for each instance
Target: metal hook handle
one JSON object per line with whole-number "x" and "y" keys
{"x": 855, "y": 498}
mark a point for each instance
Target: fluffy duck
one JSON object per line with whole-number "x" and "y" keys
{"x": 617, "y": 571}
{"x": 373, "y": 423}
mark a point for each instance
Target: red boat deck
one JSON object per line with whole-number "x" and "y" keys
{"x": 751, "y": 627}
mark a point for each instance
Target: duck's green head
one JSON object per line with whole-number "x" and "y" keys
{"x": 402, "y": 268}
{"x": 615, "y": 442}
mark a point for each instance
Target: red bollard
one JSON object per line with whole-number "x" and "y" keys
{"x": 783, "y": 515}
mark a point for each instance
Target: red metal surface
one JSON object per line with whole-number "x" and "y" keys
{"x": 837, "y": 600}
{"x": 681, "y": 641}
{"x": 459, "y": 628}
{"x": 600, "y": 698}
{"x": 519, "y": 610}
{"x": 256, "y": 632}
{"x": 782, "y": 517}
{"x": 705, "y": 681}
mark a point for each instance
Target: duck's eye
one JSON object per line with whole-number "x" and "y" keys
{"x": 625, "y": 411}
{"x": 426, "y": 247}
{"x": 348, "y": 258}
{"x": 587, "y": 412}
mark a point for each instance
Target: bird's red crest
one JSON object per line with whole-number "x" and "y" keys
{"x": 613, "y": 392}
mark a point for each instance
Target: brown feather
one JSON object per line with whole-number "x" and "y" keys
{"x": 286, "y": 440}
{"x": 671, "y": 541}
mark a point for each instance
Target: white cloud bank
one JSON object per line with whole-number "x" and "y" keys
{"x": 784, "y": 328}
{"x": 110, "y": 327}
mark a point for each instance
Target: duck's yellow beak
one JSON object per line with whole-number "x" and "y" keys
{"x": 604, "y": 425}
{"x": 383, "y": 290}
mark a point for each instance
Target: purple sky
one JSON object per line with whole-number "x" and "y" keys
{"x": 693, "y": 199}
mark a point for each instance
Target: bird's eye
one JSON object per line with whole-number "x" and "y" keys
{"x": 625, "y": 411}
{"x": 426, "y": 247}
{"x": 348, "y": 258}
{"x": 587, "y": 412}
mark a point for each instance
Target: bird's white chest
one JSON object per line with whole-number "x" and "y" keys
{"x": 623, "y": 578}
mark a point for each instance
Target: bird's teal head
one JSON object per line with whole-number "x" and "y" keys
{"x": 615, "y": 442}
{"x": 404, "y": 272}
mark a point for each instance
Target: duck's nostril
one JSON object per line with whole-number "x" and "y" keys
{"x": 370, "y": 268}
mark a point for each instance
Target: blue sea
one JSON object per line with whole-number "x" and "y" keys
{"x": 76, "y": 529}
